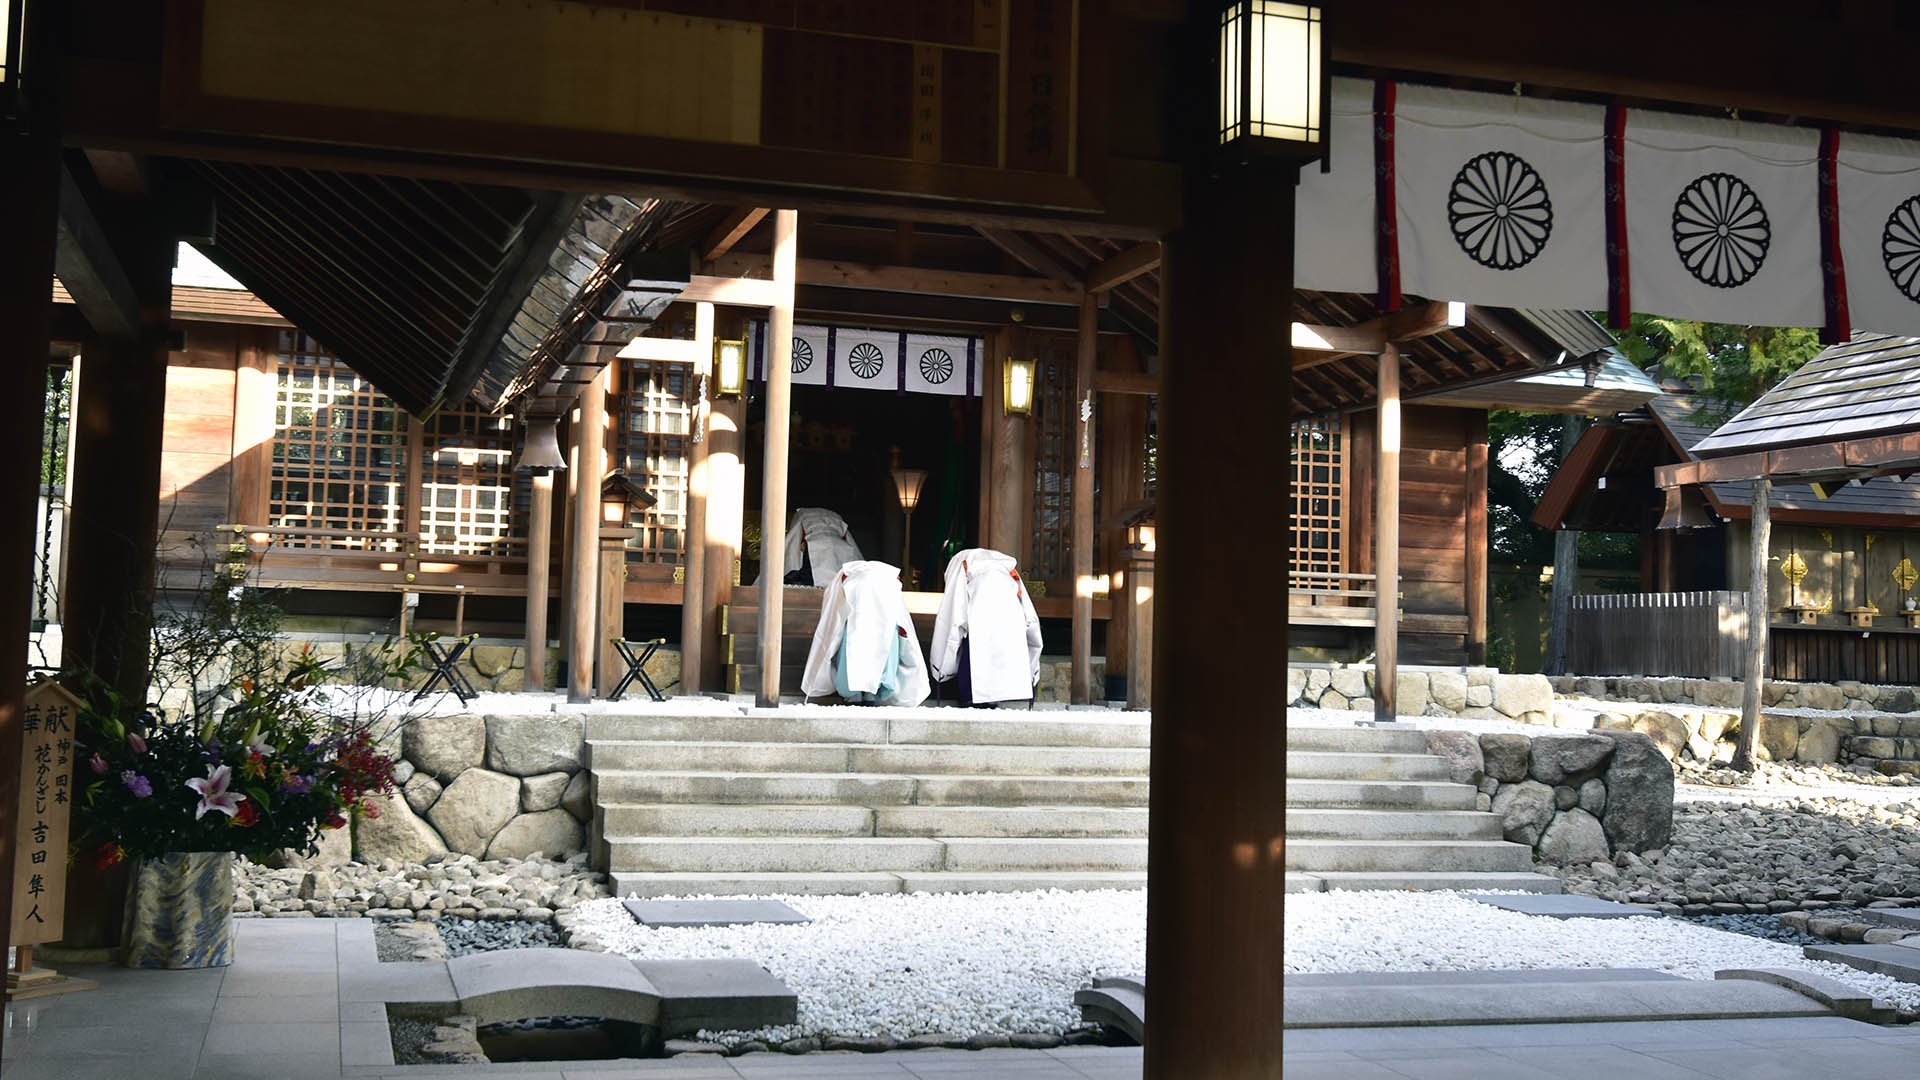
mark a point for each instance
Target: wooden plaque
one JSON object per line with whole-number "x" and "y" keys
{"x": 40, "y": 846}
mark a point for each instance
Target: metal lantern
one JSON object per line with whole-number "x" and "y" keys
{"x": 621, "y": 499}
{"x": 542, "y": 454}
{"x": 730, "y": 367}
{"x": 1273, "y": 85}
{"x": 907, "y": 484}
{"x": 1018, "y": 399}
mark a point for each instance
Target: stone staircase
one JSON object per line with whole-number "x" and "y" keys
{"x": 869, "y": 800}
{"x": 1369, "y": 808}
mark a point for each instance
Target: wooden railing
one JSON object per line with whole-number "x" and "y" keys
{"x": 1699, "y": 635}
{"x": 287, "y": 556}
{"x": 1320, "y": 598}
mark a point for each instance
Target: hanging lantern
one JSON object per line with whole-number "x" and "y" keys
{"x": 1018, "y": 399}
{"x": 541, "y": 454}
{"x": 1273, "y": 82}
{"x": 730, "y": 368}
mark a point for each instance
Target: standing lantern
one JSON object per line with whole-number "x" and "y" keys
{"x": 1274, "y": 83}
{"x": 621, "y": 499}
{"x": 907, "y": 483}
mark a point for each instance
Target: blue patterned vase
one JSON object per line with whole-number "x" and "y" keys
{"x": 180, "y": 911}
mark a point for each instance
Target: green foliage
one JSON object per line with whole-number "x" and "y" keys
{"x": 1523, "y": 451}
{"x": 1733, "y": 364}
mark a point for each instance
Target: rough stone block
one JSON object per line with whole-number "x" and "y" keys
{"x": 1505, "y": 756}
{"x": 394, "y": 832}
{"x": 1822, "y": 696}
{"x": 1593, "y": 796}
{"x": 1638, "y": 690}
{"x": 1465, "y": 762}
{"x": 1886, "y": 726}
{"x": 1296, "y": 684}
{"x": 1349, "y": 683}
{"x": 1667, "y": 731}
{"x": 1899, "y": 699}
{"x": 530, "y": 745}
{"x": 1524, "y": 809}
{"x": 474, "y": 808}
{"x": 491, "y": 660}
{"x": 575, "y": 800}
{"x": 1318, "y": 679}
{"x": 1869, "y": 746}
{"x": 554, "y": 833}
{"x": 1410, "y": 689}
{"x": 1673, "y": 690}
{"x": 1726, "y": 695}
{"x": 1332, "y": 699}
{"x": 1574, "y": 837}
{"x": 543, "y": 792}
{"x": 1820, "y": 742}
{"x": 1555, "y": 757}
{"x": 1479, "y": 697}
{"x": 445, "y": 746}
{"x": 422, "y": 792}
{"x": 1516, "y": 695}
{"x": 1639, "y": 781}
{"x": 1778, "y": 738}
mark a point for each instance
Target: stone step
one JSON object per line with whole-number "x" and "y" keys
{"x": 1311, "y": 823}
{"x": 671, "y": 756}
{"x": 1530, "y": 1001}
{"x": 731, "y": 854}
{"x": 1893, "y": 960}
{"x": 1379, "y": 794}
{"x": 882, "y": 725}
{"x": 815, "y": 819}
{"x": 1356, "y": 740}
{"x": 1319, "y": 765}
{"x": 1420, "y": 881}
{"x": 627, "y": 883}
{"x": 633, "y": 786}
{"x": 1395, "y": 856}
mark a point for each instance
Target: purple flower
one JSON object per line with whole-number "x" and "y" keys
{"x": 98, "y": 764}
{"x": 139, "y": 785}
{"x": 297, "y": 785}
{"x": 212, "y": 754}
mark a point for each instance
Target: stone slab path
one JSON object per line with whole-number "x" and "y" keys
{"x": 1564, "y": 906}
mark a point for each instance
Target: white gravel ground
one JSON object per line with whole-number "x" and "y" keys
{"x": 1444, "y": 931}
{"x": 904, "y": 964}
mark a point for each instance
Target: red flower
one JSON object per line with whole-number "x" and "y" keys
{"x": 368, "y": 808}
{"x": 248, "y": 814}
{"x": 108, "y": 854}
{"x": 255, "y": 767}
{"x": 336, "y": 822}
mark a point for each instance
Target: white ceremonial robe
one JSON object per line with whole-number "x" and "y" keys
{"x": 865, "y": 616}
{"x": 822, "y": 535}
{"x": 987, "y": 605}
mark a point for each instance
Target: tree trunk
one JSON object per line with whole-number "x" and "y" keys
{"x": 1566, "y": 568}
{"x": 1756, "y": 627}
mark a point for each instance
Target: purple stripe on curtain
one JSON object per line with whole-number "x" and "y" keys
{"x": 970, "y": 368}
{"x": 829, "y": 357}
{"x": 759, "y": 352}
{"x": 902, "y": 381}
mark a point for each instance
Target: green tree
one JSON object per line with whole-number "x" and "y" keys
{"x": 1732, "y": 364}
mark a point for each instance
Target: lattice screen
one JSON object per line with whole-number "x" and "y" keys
{"x": 1055, "y": 458}
{"x": 467, "y": 485}
{"x": 339, "y": 454}
{"x": 656, "y": 425}
{"x": 1319, "y": 499}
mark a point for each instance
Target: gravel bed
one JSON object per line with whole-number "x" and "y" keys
{"x": 444, "y": 885}
{"x": 980, "y": 965}
{"x": 1443, "y": 931}
{"x": 1765, "y": 927}
{"x": 409, "y": 1036}
{"x": 466, "y": 936}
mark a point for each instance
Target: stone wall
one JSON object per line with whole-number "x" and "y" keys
{"x": 1726, "y": 693}
{"x": 1472, "y": 693}
{"x": 1572, "y": 798}
{"x": 494, "y": 787}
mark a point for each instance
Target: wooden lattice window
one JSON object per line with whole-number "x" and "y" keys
{"x": 1319, "y": 500}
{"x": 467, "y": 496}
{"x": 657, "y": 424}
{"x": 1055, "y": 457}
{"x": 339, "y": 450}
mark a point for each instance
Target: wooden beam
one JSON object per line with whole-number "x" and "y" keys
{"x": 86, "y": 263}
{"x": 1324, "y": 343}
{"x": 909, "y": 279}
{"x": 731, "y": 230}
{"x": 1123, "y": 382}
{"x": 1029, "y": 254}
{"x": 1087, "y": 350}
{"x": 693, "y": 543}
{"x": 773, "y": 484}
{"x": 732, "y": 291}
{"x": 1421, "y": 321}
{"x": 1124, "y": 266}
{"x": 1386, "y": 558}
{"x": 670, "y": 350}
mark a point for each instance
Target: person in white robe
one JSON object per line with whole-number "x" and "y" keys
{"x": 864, "y": 643}
{"x": 986, "y": 605}
{"x": 822, "y": 537}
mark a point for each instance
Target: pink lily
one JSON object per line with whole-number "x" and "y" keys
{"x": 214, "y": 794}
{"x": 135, "y": 741}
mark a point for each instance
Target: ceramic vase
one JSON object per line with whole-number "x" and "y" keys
{"x": 180, "y": 911}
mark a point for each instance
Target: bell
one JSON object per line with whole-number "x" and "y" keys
{"x": 542, "y": 451}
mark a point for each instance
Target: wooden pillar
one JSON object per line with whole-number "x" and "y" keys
{"x": 611, "y": 604}
{"x": 1123, "y": 433}
{"x": 773, "y": 484}
{"x": 1138, "y": 598}
{"x": 584, "y": 574}
{"x": 1476, "y": 537}
{"x": 1758, "y": 612}
{"x": 726, "y": 506}
{"x": 29, "y": 189}
{"x": 1566, "y": 569}
{"x": 1008, "y": 483}
{"x": 1216, "y": 835}
{"x": 1087, "y": 351}
{"x": 565, "y": 627}
{"x": 253, "y": 394}
{"x": 1386, "y": 538}
{"x": 693, "y": 537}
{"x": 539, "y": 567}
{"x": 119, "y": 410}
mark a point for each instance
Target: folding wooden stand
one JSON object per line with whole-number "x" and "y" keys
{"x": 26, "y": 981}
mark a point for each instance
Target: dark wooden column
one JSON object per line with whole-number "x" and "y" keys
{"x": 1215, "y": 838}
{"x": 1086, "y": 352}
{"x": 118, "y": 412}
{"x": 1477, "y": 538}
{"x": 539, "y": 575}
{"x": 29, "y": 189}
{"x": 583, "y": 573}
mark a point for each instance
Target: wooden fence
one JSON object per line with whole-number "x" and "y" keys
{"x": 1699, "y": 635}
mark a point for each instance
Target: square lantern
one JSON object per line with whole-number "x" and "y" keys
{"x": 1273, "y": 88}
{"x": 730, "y": 367}
{"x": 622, "y": 500}
{"x": 1018, "y": 398}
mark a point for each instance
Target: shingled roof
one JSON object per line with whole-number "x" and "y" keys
{"x": 1866, "y": 387}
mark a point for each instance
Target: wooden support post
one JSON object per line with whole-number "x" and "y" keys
{"x": 1007, "y": 485}
{"x": 1566, "y": 569}
{"x": 1087, "y": 351}
{"x": 611, "y": 604}
{"x": 1216, "y": 837}
{"x": 1476, "y": 537}
{"x": 1386, "y": 538}
{"x": 726, "y": 514}
{"x": 773, "y": 483}
{"x": 253, "y": 394}
{"x": 1138, "y": 598}
{"x": 584, "y": 577}
{"x": 1758, "y": 611}
{"x": 539, "y": 567}
{"x": 29, "y": 189}
{"x": 567, "y": 512}
{"x": 693, "y": 538}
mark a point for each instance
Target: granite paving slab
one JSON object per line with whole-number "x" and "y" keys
{"x": 1502, "y": 976}
{"x": 717, "y": 995}
{"x": 713, "y": 912}
{"x": 1897, "y": 961}
{"x": 1535, "y": 1003}
{"x": 1563, "y": 906}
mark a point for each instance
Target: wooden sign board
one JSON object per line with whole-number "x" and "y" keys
{"x": 40, "y": 846}
{"x": 975, "y": 100}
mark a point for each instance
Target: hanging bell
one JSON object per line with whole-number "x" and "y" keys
{"x": 541, "y": 454}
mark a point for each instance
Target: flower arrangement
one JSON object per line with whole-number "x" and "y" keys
{"x": 271, "y": 771}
